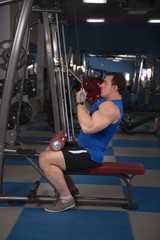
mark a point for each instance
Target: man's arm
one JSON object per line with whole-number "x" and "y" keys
{"x": 107, "y": 114}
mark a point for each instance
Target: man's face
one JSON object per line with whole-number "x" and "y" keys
{"x": 107, "y": 87}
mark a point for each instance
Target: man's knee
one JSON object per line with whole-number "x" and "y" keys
{"x": 42, "y": 160}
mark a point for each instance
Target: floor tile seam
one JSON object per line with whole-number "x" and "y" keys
{"x": 135, "y": 140}
{"x": 85, "y": 208}
{"x": 9, "y": 207}
{"x": 153, "y": 149}
{"x": 134, "y": 186}
{"x": 139, "y": 147}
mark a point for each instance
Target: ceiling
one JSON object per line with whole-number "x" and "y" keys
{"x": 114, "y": 11}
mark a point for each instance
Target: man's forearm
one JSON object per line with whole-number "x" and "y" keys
{"x": 84, "y": 118}
{"x": 86, "y": 109}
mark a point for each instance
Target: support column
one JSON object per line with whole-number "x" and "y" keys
{"x": 10, "y": 76}
{"x": 4, "y": 29}
{"x": 40, "y": 63}
{"x": 51, "y": 72}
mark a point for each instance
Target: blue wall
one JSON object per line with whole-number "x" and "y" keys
{"x": 131, "y": 39}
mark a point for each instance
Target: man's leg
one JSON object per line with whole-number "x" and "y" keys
{"x": 71, "y": 185}
{"x": 53, "y": 165}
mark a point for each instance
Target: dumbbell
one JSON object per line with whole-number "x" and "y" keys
{"x": 58, "y": 142}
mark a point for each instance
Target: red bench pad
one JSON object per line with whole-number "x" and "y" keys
{"x": 117, "y": 168}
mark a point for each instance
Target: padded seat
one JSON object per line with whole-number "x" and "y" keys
{"x": 117, "y": 168}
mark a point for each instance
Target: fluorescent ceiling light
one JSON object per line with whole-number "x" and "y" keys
{"x": 154, "y": 21}
{"x": 95, "y": 1}
{"x": 92, "y": 20}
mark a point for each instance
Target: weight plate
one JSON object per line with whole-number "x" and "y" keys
{"x": 27, "y": 88}
{"x": 1, "y": 88}
{"x": 25, "y": 114}
{"x": 6, "y": 46}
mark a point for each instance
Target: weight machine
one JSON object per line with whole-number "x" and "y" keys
{"x": 59, "y": 82}
{"x": 21, "y": 111}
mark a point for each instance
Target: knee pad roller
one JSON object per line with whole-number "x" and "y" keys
{"x": 58, "y": 142}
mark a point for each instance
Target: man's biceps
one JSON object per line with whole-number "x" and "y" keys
{"x": 103, "y": 121}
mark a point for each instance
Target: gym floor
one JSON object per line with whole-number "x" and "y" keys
{"x": 30, "y": 221}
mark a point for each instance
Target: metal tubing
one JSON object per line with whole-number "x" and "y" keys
{"x": 127, "y": 180}
{"x": 23, "y": 198}
{"x": 5, "y": 2}
{"x": 52, "y": 78}
{"x": 68, "y": 84}
{"x": 101, "y": 201}
{"x": 58, "y": 78}
{"x": 58, "y": 10}
{"x": 23, "y": 78}
{"x": 139, "y": 75}
{"x": 10, "y": 76}
{"x": 37, "y": 168}
{"x": 75, "y": 76}
{"x": 124, "y": 177}
{"x": 63, "y": 82}
{"x": 92, "y": 201}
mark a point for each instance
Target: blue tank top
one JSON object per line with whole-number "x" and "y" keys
{"x": 96, "y": 143}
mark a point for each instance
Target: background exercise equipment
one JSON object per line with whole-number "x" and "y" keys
{"x": 6, "y": 46}
{"x": 128, "y": 124}
{"x": 26, "y": 111}
{"x": 27, "y": 86}
{"x": 10, "y": 77}
{"x": 2, "y": 85}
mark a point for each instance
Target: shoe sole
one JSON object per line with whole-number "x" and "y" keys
{"x": 49, "y": 210}
{"x": 77, "y": 195}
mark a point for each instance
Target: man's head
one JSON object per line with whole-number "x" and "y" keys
{"x": 114, "y": 84}
{"x": 118, "y": 80}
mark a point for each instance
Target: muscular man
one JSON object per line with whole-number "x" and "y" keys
{"x": 97, "y": 129}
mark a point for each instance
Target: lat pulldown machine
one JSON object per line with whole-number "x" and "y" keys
{"x": 59, "y": 82}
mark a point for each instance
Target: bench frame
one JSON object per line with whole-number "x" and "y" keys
{"x": 125, "y": 203}
{"x": 125, "y": 171}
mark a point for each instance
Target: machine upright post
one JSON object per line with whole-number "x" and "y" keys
{"x": 10, "y": 77}
{"x": 62, "y": 77}
{"x": 51, "y": 72}
{"x": 58, "y": 77}
{"x": 68, "y": 83}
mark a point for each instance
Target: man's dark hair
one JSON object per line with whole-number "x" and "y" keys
{"x": 118, "y": 80}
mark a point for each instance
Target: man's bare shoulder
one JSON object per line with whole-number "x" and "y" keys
{"x": 108, "y": 108}
{"x": 108, "y": 105}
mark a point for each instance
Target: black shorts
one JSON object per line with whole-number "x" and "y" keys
{"x": 77, "y": 158}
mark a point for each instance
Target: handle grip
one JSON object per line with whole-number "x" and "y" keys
{"x": 81, "y": 98}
